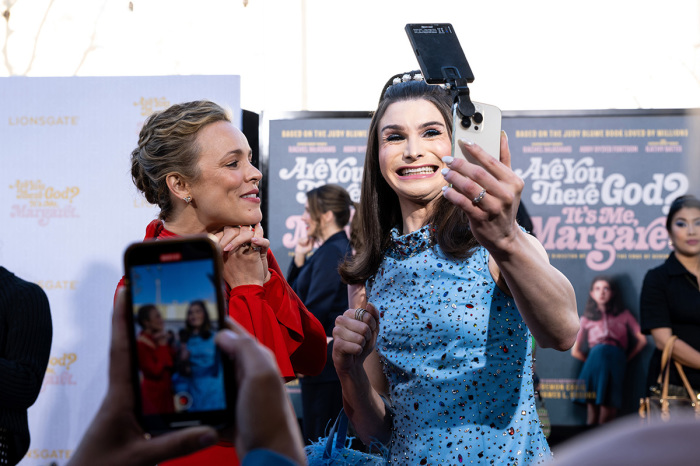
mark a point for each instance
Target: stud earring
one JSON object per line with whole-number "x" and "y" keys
{"x": 187, "y": 199}
{"x": 670, "y": 244}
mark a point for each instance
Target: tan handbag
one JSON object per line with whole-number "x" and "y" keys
{"x": 663, "y": 405}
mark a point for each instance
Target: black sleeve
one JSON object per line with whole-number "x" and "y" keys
{"x": 29, "y": 333}
{"x": 653, "y": 302}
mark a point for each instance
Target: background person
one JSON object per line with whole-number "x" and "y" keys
{"x": 199, "y": 360}
{"x": 196, "y": 166}
{"x": 25, "y": 343}
{"x": 264, "y": 428}
{"x": 440, "y": 365}
{"x": 316, "y": 281}
{"x": 670, "y": 299}
{"x": 603, "y": 344}
{"x": 156, "y": 362}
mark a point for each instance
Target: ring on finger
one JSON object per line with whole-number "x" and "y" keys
{"x": 255, "y": 248}
{"x": 478, "y": 198}
{"x": 360, "y": 313}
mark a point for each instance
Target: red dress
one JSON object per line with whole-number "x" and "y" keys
{"x": 156, "y": 362}
{"x": 279, "y": 320}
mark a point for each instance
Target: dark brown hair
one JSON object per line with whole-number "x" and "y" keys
{"x": 330, "y": 197}
{"x": 679, "y": 203}
{"x": 614, "y": 305}
{"x": 167, "y": 144}
{"x": 379, "y": 207}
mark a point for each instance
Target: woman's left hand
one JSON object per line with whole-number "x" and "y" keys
{"x": 489, "y": 193}
{"x": 264, "y": 244}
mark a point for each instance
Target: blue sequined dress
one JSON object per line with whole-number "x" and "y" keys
{"x": 458, "y": 358}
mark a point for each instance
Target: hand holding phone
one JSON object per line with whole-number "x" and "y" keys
{"x": 175, "y": 286}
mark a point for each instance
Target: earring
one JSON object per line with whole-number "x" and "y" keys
{"x": 187, "y": 199}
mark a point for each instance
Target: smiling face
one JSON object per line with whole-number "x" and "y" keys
{"x": 195, "y": 316}
{"x": 226, "y": 191}
{"x": 601, "y": 293}
{"x": 685, "y": 231}
{"x": 413, "y": 139}
{"x": 154, "y": 323}
{"x": 312, "y": 226}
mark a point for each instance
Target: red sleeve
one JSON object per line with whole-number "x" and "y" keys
{"x": 154, "y": 361}
{"x": 309, "y": 354}
{"x": 279, "y": 320}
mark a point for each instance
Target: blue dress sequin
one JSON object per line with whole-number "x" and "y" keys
{"x": 458, "y": 358}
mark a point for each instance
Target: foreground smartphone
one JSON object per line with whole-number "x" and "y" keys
{"x": 176, "y": 306}
{"x": 483, "y": 128}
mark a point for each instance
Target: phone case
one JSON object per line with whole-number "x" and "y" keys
{"x": 166, "y": 278}
{"x": 484, "y": 129}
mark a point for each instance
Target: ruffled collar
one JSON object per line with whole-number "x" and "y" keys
{"x": 404, "y": 246}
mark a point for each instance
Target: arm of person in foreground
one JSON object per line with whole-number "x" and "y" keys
{"x": 115, "y": 438}
{"x": 627, "y": 441}
{"x": 358, "y": 367}
{"x": 519, "y": 264}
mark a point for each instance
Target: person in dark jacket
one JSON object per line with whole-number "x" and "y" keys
{"x": 315, "y": 279}
{"x": 25, "y": 343}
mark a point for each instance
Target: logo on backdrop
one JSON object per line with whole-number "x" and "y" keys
{"x": 44, "y": 120}
{"x": 609, "y": 230}
{"x": 51, "y": 285}
{"x": 58, "y": 371}
{"x": 149, "y": 105}
{"x": 48, "y": 454}
{"x": 43, "y": 202}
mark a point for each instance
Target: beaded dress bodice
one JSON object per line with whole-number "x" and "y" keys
{"x": 458, "y": 359}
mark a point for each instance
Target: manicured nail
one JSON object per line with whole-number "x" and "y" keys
{"x": 467, "y": 142}
{"x": 503, "y": 132}
{"x": 445, "y": 171}
{"x": 444, "y": 189}
{"x": 448, "y": 160}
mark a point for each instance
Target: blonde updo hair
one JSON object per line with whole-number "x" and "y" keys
{"x": 167, "y": 144}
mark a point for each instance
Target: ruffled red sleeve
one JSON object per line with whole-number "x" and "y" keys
{"x": 280, "y": 321}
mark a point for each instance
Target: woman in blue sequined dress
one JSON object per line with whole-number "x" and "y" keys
{"x": 439, "y": 368}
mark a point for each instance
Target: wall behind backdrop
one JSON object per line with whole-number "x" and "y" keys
{"x": 68, "y": 210}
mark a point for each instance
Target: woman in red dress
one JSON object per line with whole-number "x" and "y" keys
{"x": 196, "y": 166}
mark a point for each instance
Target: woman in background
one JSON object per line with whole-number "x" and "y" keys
{"x": 670, "y": 298}
{"x": 316, "y": 281}
{"x": 155, "y": 362}
{"x": 605, "y": 330}
{"x": 199, "y": 361}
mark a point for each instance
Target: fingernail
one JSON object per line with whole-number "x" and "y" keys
{"x": 503, "y": 132}
{"x": 448, "y": 159}
{"x": 467, "y": 142}
{"x": 208, "y": 439}
{"x": 445, "y": 171}
{"x": 228, "y": 247}
{"x": 444, "y": 189}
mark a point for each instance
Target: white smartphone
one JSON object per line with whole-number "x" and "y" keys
{"x": 483, "y": 128}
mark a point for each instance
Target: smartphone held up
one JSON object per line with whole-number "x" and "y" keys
{"x": 176, "y": 306}
{"x": 442, "y": 62}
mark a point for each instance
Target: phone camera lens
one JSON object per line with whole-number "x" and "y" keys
{"x": 478, "y": 117}
{"x": 466, "y": 122}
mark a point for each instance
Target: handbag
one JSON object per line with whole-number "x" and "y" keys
{"x": 335, "y": 449}
{"x": 662, "y": 404}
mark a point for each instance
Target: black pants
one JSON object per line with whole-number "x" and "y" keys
{"x": 321, "y": 403}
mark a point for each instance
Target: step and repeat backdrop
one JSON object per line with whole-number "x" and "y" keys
{"x": 68, "y": 211}
{"x": 598, "y": 185}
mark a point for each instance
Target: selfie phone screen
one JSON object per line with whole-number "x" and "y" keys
{"x": 175, "y": 301}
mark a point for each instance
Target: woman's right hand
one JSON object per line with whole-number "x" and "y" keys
{"x": 242, "y": 264}
{"x": 354, "y": 340}
{"x": 303, "y": 247}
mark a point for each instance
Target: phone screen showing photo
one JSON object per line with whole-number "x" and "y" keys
{"x": 175, "y": 318}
